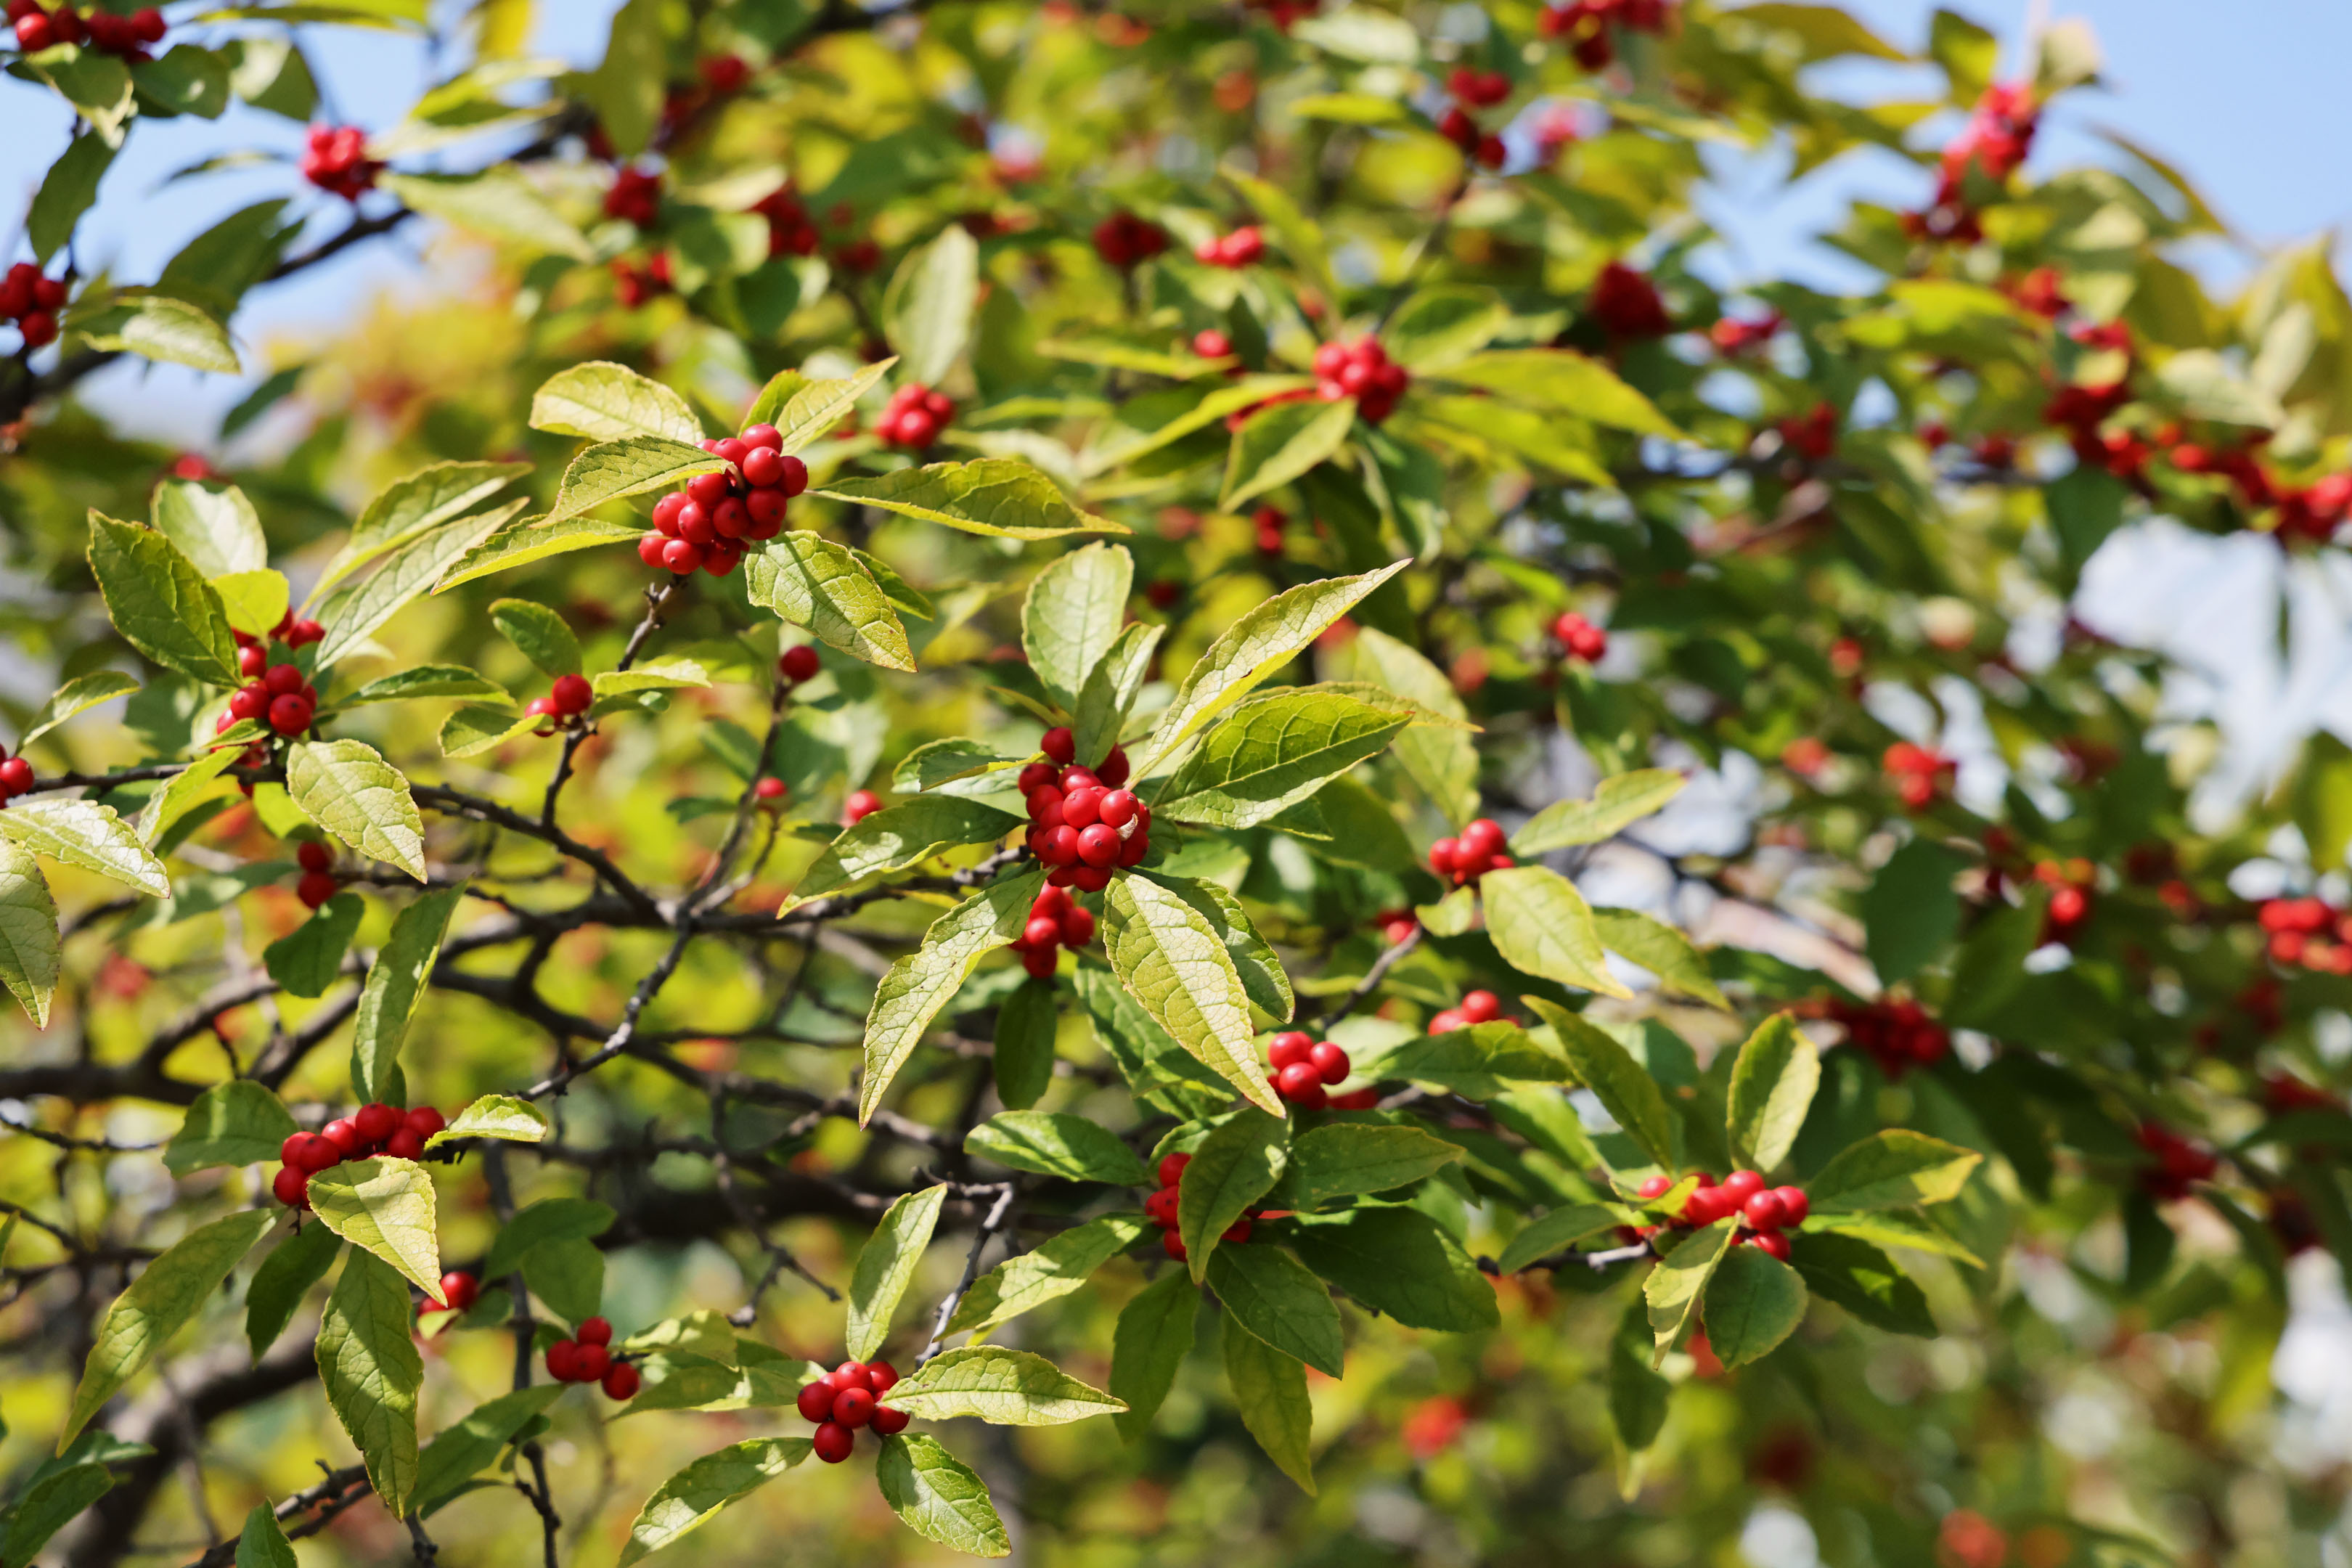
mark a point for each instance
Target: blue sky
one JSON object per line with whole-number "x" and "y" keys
{"x": 2242, "y": 98}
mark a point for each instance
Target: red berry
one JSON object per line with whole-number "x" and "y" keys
{"x": 622, "y": 1382}
{"x": 252, "y": 659}
{"x": 1289, "y": 1047}
{"x": 572, "y": 693}
{"x": 15, "y": 776}
{"x": 1160, "y": 1207}
{"x": 289, "y": 715}
{"x": 889, "y": 1423}
{"x": 343, "y": 1136}
{"x": 1079, "y": 778}
{"x": 1172, "y": 1244}
{"x": 591, "y": 1362}
{"x": 798, "y": 663}
{"x": 1077, "y": 928}
{"x": 1794, "y": 1205}
{"x": 1116, "y": 808}
{"x": 794, "y": 478}
{"x": 1098, "y": 845}
{"x": 282, "y": 681}
{"x": 1656, "y": 1186}
{"x": 853, "y": 1407}
{"x": 594, "y": 1332}
{"x": 769, "y": 789}
{"x": 1765, "y": 1210}
{"x": 1330, "y": 1062}
{"x": 681, "y": 557}
{"x": 375, "y": 1121}
{"x": 861, "y": 805}
{"x": 249, "y": 702}
{"x": 1296, "y": 1081}
{"x": 881, "y": 1376}
{"x": 1172, "y": 1168}
{"x": 1483, "y": 837}
{"x": 564, "y": 1362}
{"x": 459, "y": 1289}
{"x": 1742, "y": 1185}
{"x": 762, "y": 467}
{"x": 1081, "y": 807}
{"x": 424, "y": 1122}
{"x": 313, "y": 856}
{"x": 1059, "y": 845}
{"x": 314, "y": 888}
{"x": 1045, "y": 807}
{"x": 1479, "y": 1006}
{"x": 1037, "y": 776}
{"x": 766, "y": 436}
{"x": 832, "y": 1442}
{"x": 1059, "y": 744}
{"x": 405, "y": 1145}
{"x": 291, "y": 1187}
{"x": 1772, "y": 1243}
{"x": 1112, "y": 773}
{"x": 1041, "y": 932}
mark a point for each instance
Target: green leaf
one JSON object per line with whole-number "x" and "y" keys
{"x": 1617, "y": 803}
{"x": 85, "y": 834}
{"x": 667, "y": 675}
{"x": 1624, "y": 1086}
{"x": 938, "y": 1497}
{"x": 1005, "y": 496}
{"x": 94, "y": 82}
{"x": 406, "y": 569}
{"x": 458, "y": 1452}
{"x": 163, "y": 1299}
{"x": 1058, "y": 1265}
{"x": 905, "y": 835}
{"x": 1073, "y": 612}
{"x": 30, "y": 948}
{"x": 886, "y": 1266}
{"x": 1441, "y": 762}
{"x": 1637, "y": 1395}
{"x": 816, "y": 584}
{"x": 1056, "y": 1143}
{"x": 932, "y": 301}
{"x": 1481, "y": 1061}
{"x": 693, "y": 1497}
{"x": 1560, "y": 380}
{"x": 1153, "y": 1336}
{"x": 539, "y": 632}
{"x": 262, "y": 1544}
{"x": 160, "y": 602}
{"x": 625, "y": 89}
{"x": 1109, "y": 693}
{"x": 65, "y": 192}
{"x": 1753, "y": 1302}
{"x": 1028, "y": 1023}
{"x": 1250, "y": 650}
{"x": 527, "y": 540}
{"x": 424, "y": 681}
{"x": 1443, "y": 325}
{"x": 549, "y": 1220}
{"x": 223, "y": 263}
{"x": 1263, "y": 979}
{"x": 1401, "y": 1262}
{"x": 802, "y": 410}
{"x": 1172, "y": 959}
{"x": 255, "y": 600}
{"x": 1561, "y": 1228}
{"x": 347, "y": 788}
{"x": 1911, "y": 910}
{"x": 1276, "y": 445}
{"x": 631, "y": 466}
{"x": 1895, "y": 1227}
{"x": 411, "y": 505}
{"x": 1772, "y": 1084}
{"x": 285, "y": 1277}
{"x": 479, "y": 727}
{"x": 234, "y": 1123}
{"x": 1675, "y": 1286}
{"x": 498, "y": 203}
{"x": 1349, "y": 1159}
{"x": 384, "y": 1205}
{"x": 499, "y": 1116}
{"x": 154, "y": 326}
{"x": 1542, "y": 925}
{"x": 1300, "y": 236}
{"x": 1274, "y": 751}
{"x": 183, "y": 792}
{"x": 57, "y": 1494}
{"x": 918, "y": 986}
{"x": 569, "y": 1276}
{"x": 306, "y": 960}
{"x": 1661, "y": 949}
{"x": 79, "y": 695}
{"x": 1003, "y": 1387}
{"x": 608, "y": 402}
{"x": 1863, "y": 1280}
{"x": 1270, "y": 1393}
{"x": 187, "y": 79}
{"x": 1234, "y": 1166}
{"x": 369, "y": 1367}
{"x": 1272, "y": 1295}
{"x": 1896, "y": 1168}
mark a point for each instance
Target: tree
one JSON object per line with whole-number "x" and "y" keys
{"x": 999, "y": 713}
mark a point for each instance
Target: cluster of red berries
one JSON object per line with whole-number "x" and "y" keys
{"x": 848, "y": 1397}
{"x": 125, "y": 35}
{"x": 633, "y": 285}
{"x": 587, "y": 1357}
{"x": 1363, "y": 371}
{"x": 1305, "y": 1069}
{"x": 1764, "y": 1211}
{"x": 1627, "y": 304}
{"x": 1812, "y": 435}
{"x": 1999, "y": 134}
{"x": 1732, "y": 336}
{"x": 317, "y": 882}
{"x": 1479, "y": 851}
{"x": 2297, "y": 931}
{"x": 568, "y": 697}
{"x": 790, "y": 230}
{"x": 32, "y": 301}
{"x": 458, "y": 1288}
{"x": 634, "y": 197}
{"x": 1083, "y": 822}
{"x": 1124, "y": 239}
{"x": 1476, "y": 1007}
{"x": 279, "y": 695}
{"x": 914, "y": 417}
{"x": 1474, "y": 90}
{"x": 334, "y": 159}
{"x": 2179, "y": 1162}
{"x": 1919, "y": 773}
{"x": 1579, "y": 638}
{"x": 705, "y": 524}
{"x": 1269, "y": 522}
{"x": 1585, "y": 24}
{"x": 373, "y": 1128}
{"x": 1240, "y": 248}
{"x": 1055, "y": 920}
{"x": 2309, "y": 512}
{"x": 2283, "y": 1092}
{"x": 1897, "y": 1035}
{"x": 1160, "y": 1208}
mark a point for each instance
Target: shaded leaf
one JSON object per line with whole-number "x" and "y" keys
{"x": 918, "y": 986}
{"x": 163, "y": 1299}
{"x": 238, "y": 1122}
{"x": 886, "y": 1266}
{"x": 1056, "y": 1143}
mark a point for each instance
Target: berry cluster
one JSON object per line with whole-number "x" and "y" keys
{"x": 1476, "y": 1007}
{"x": 1764, "y": 1211}
{"x": 1579, "y": 637}
{"x": 373, "y": 1128}
{"x": 633, "y": 285}
{"x": 1474, "y": 90}
{"x": 1732, "y": 336}
{"x": 568, "y": 698}
{"x": 634, "y": 197}
{"x": 1240, "y": 248}
{"x": 1898, "y": 1036}
{"x": 705, "y": 524}
{"x": 2297, "y": 931}
{"x": 277, "y": 695}
{"x": 914, "y": 417}
{"x": 1919, "y": 773}
{"x": 1055, "y": 920}
{"x": 1124, "y": 239}
{"x": 1627, "y": 304}
{"x": 127, "y": 37}
{"x": 458, "y": 1288}
{"x": 2309, "y": 512}
{"x": 1585, "y": 24}
{"x": 1305, "y": 1069}
{"x": 1269, "y": 522}
{"x": 1479, "y": 851}
{"x": 1812, "y": 435}
{"x": 1363, "y": 371}
{"x": 1161, "y": 1209}
{"x": 32, "y": 301}
{"x": 1999, "y": 134}
{"x": 790, "y": 230}
{"x": 848, "y": 1397}
{"x": 335, "y": 159}
{"x": 1083, "y": 822}
{"x": 317, "y": 882}
{"x": 2179, "y": 1162}
{"x": 587, "y": 1357}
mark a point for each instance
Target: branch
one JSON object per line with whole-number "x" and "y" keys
{"x": 991, "y": 1223}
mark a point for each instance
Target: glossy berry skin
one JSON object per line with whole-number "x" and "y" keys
{"x": 861, "y": 805}
{"x": 342, "y": 1135}
{"x": 1772, "y": 1243}
{"x": 564, "y": 1362}
{"x": 1172, "y": 1168}
{"x": 423, "y": 1121}
{"x": 832, "y": 1442}
{"x": 308, "y": 1152}
{"x": 405, "y": 1145}
{"x": 291, "y": 1187}
{"x": 1794, "y": 1205}
{"x": 573, "y": 694}
{"x": 1099, "y": 845}
{"x": 815, "y": 1401}
{"x": 622, "y": 1382}
{"x": 1059, "y": 744}
{"x": 853, "y": 1407}
{"x": 594, "y": 1332}
{"x": 889, "y": 1423}
{"x": 1288, "y": 1047}
{"x": 1765, "y": 1210}
{"x": 460, "y": 1290}
{"x": 800, "y": 663}
{"x": 1741, "y": 1185}
{"x": 375, "y": 1121}
{"x": 1480, "y": 1006}
{"x": 592, "y": 1363}
{"x": 1654, "y": 1188}
{"x": 769, "y": 790}
{"x": 851, "y": 1375}
{"x": 1160, "y": 1207}
{"x": 313, "y": 856}
{"x": 1330, "y": 1061}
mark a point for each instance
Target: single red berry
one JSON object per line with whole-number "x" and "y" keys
{"x": 1116, "y": 808}
{"x": 1289, "y": 1047}
{"x": 1656, "y": 1186}
{"x": 1295, "y": 1081}
{"x": 766, "y": 436}
{"x": 252, "y": 659}
{"x": 343, "y": 1136}
{"x": 853, "y": 1407}
{"x": 851, "y": 1375}
{"x": 1794, "y": 1205}
{"x": 594, "y": 1332}
{"x": 1077, "y": 926}
{"x": 881, "y": 1376}
{"x": 460, "y": 1290}
{"x": 1772, "y": 1243}
{"x": 769, "y": 789}
{"x": 1479, "y": 1006}
{"x": 1765, "y": 1210}
{"x": 1081, "y": 807}
{"x": 1160, "y": 1207}
{"x": 815, "y": 1401}
{"x": 592, "y": 1361}
{"x": 622, "y": 1382}
{"x": 313, "y": 856}
{"x": 424, "y": 1122}
{"x": 1330, "y": 1062}
{"x": 375, "y": 1121}
{"x": 314, "y": 888}
{"x": 1098, "y": 846}
{"x": 564, "y": 1362}
{"x": 1114, "y": 769}
{"x": 282, "y": 679}
{"x": 1059, "y": 744}
{"x": 1742, "y": 1185}
{"x": 832, "y": 1442}
{"x": 572, "y": 693}
{"x": 405, "y": 1145}
{"x": 289, "y": 715}
{"x": 861, "y": 805}
{"x": 798, "y": 663}
{"x": 1172, "y": 1244}
{"x": 1172, "y": 1168}
{"x": 889, "y": 1423}
{"x": 291, "y": 1187}
{"x": 1037, "y": 776}
{"x": 1483, "y": 837}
